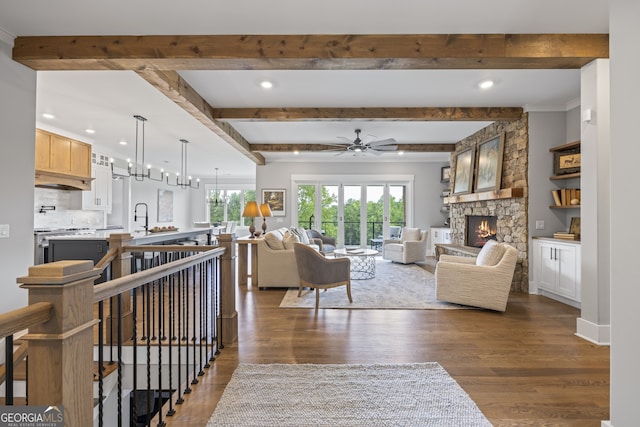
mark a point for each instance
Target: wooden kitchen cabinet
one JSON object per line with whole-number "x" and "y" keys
{"x": 55, "y": 153}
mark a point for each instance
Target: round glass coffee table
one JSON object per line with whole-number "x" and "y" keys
{"x": 363, "y": 262}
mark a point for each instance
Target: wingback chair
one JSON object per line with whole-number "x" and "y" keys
{"x": 483, "y": 281}
{"x": 412, "y": 247}
{"x": 317, "y": 271}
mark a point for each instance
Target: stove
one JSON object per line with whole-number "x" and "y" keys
{"x": 42, "y": 236}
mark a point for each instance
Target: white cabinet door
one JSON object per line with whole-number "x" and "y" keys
{"x": 567, "y": 274}
{"x": 99, "y": 197}
{"x": 557, "y": 268}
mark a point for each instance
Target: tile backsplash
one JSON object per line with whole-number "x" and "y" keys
{"x": 67, "y": 211}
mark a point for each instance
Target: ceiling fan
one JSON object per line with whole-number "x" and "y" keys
{"x": 360, "y": 146}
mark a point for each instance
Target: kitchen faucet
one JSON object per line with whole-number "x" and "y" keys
{"x": 146, "y": 215}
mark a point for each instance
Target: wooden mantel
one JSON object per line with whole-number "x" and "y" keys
{"x": 505, "y": 193}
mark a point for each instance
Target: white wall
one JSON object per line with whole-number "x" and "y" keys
{"x": 17, "y": 136}
{"x": 625, "y": 234}
{"x": 147, "y": 192}
{"x": 427, "y": 185}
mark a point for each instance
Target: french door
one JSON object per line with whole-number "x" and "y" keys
{"x": 357, "y": 214}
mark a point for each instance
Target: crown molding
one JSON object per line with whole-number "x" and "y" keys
{"x": 6, "y": 37}
{"x": 531, "y": 108}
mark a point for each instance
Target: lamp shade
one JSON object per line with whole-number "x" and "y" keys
{"x": 251, "y": 210}
{"x": 265, "y": 210}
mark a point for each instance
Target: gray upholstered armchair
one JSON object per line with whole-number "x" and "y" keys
{"x": 327, "y": 244}
{"x": 316, "y": 271}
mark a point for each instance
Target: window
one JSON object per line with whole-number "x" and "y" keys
{"x": 229, "y": 206}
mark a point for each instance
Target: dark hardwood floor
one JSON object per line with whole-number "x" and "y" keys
{"x": 524, "y": 367}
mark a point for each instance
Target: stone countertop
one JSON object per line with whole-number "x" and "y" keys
{"x": 139, "y": 237}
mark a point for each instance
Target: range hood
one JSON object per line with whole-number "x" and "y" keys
{"x": 59, "y": 181}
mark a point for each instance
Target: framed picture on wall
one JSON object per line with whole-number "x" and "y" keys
{"x": 462, "y": 180}
{"x": 276, "y": 200}
{"x": 488, "y": 173}
{"x": 165, "y": 205}
{"x": 445, "y": 174}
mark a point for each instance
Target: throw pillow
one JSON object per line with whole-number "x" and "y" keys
{"x": 301, "y": 234}
{"x": 273, "y": 241}
{"x": 289, "y": 240}
{"x": 490, "y": 254}
{"x": 410, "y": 234}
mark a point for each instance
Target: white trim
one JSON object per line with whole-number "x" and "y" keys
{"x": 573, "y": 104}
{"x": 7, "y": 37}
{"x": 597, "y": 334}
{"x": 529, "y": 108}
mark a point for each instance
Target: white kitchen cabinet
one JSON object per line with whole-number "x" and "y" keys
{"x": 557, "y": 270}
{"x": 439, "y": 235}
{"x": 99, "y": 197}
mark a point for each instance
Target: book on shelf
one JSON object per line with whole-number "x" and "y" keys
{"x": 556, "y": 197}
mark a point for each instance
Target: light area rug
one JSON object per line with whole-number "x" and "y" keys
{"x": 416, "y": 394}
{"x": 395, "y": 286}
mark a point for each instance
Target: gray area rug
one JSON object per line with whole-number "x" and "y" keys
{"x": 417, "y": 394}
{"x": 396, "y": 286}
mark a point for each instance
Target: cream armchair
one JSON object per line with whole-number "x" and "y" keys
{"x": 412, "y": 247}
{"x": 483, "y": 281}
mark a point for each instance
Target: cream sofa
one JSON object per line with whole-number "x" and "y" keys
{"x": 276, "y": 260}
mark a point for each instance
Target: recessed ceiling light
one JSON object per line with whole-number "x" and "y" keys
{"x": 123, "y": 142}
{"x": 48, "y": 116}
{"x": 266, "y": 84}
{"x": 400, "y": 153}
{"x": 90, "y": 131}
{"x": 485, "y": 84}
{"x": 296, "y": 152}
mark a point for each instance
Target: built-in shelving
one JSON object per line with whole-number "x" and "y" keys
{"x": 565, "y": 176}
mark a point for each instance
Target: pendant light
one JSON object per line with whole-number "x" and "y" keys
{"x": 182, "y": 180}
{"x": 132, "y": 168}
{"x": 216, "y": 201}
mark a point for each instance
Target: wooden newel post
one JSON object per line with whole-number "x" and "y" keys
{"x": 120, "y": 267}
{"x": 60, "y": 369}
{"x": 228, "y": 317}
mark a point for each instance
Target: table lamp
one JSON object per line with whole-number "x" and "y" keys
{"x": 251, "y": 210}
{"x": 265, "y": 210}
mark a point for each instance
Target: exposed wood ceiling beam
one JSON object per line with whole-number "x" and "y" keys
{"x": 311, "y": 52}
{"x": 175, "y": 88}
{"x": 290, "y": 148}
{"x": 379, "y": 114}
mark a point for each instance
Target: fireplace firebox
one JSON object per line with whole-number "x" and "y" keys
{"x": 480, "y": 229}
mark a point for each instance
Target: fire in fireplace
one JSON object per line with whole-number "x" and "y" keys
{"x": 480, "y": 229}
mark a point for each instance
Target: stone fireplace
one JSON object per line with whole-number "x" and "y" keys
{"x": 510, "y": 212}
{"x": 480, "y": 229}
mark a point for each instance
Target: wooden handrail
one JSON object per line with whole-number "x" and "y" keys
{"x": 169, "y": 248}
{"x": 106, "y": 260}
{"x": 24, "y": 317}
{"x": 124, "y": 284}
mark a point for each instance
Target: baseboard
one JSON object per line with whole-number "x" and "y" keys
{"x": 597, "y": 334}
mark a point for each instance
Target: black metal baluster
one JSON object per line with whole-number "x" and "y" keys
{"x": 207, "y": 314}
{"x": 187, "y": 390}
{"x": 153, "y": 301}
{"x": 8, "y": 360}
{"x": 194, "y": 321}
{"x": 171, "y": 279}
{"x": 134, "y": 338}
{"x": 163, "y": 321}
{"x": 100, "y": 364}
{"x": 120, "y": 364}
{"x": 148, "y": 367}
{"x": 180, "y": 278}
{"x": 160, "y": 314}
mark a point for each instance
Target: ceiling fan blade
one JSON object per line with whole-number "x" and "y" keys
{"x": 385, "y": 148}
{"x": 344, "y": 138}
{"x": 382, "y": 142}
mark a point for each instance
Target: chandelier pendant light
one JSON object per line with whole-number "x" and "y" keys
{"x": 182, "y": 179}
{"x": 136, "y": 169}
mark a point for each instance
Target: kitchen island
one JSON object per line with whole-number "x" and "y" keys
{"x": 95, "y": 246}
